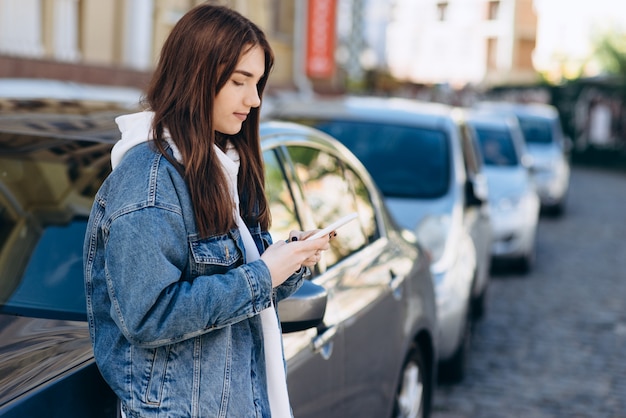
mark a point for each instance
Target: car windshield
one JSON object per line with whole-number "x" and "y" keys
{"x": 47, "y": 186}
{"x": 404, "y": 161}
{"x": 52, "y": 281}
{"x": 497, "y": 146}
{"x": 536, "y": 130}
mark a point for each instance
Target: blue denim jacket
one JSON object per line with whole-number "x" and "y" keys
{"x": 172, "y": 316}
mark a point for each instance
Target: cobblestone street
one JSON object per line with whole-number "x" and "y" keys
{"x": 553, "y": 342}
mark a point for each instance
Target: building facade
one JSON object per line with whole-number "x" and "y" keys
{"x": 117, "y": 42}
{"x": 463, "y": 42}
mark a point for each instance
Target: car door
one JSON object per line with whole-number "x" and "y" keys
{"x": 476, "y": 213}
{"x": 314, "y": 360}
{"x": 363, "y": 273}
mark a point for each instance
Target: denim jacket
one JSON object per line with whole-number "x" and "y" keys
{"x": 172, "y": 316}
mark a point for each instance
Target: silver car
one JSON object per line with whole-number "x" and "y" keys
{"x": 549, "y": 148}
{"x": 417, "y": 156}
{"x": 359, "y": 336}
{"x": 512, "y": 194}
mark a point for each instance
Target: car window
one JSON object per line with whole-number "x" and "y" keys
{"x": 404, "y": 161}
{"x": 329, "y": 196}
{"x": 50, "y": 284}
{"x": 536, "y": 130}
{"x": 365, "y": 207}
{"x": 282, "y": 207}
{"x": 46, "y": 192}
{"x": 471, "y": 155}
{"x": 497, "y": 146}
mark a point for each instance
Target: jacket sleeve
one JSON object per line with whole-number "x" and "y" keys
{"x": 147, "y": 251}
{"x": 294, "y": 282}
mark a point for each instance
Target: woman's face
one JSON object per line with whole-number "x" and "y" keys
{"x": 234, "y": 101}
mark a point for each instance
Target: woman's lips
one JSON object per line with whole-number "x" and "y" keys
{"x": 241, "y": 116}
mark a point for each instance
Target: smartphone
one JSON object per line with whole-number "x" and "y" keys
{"x": 330, "y": 228}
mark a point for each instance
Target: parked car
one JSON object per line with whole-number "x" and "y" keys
{"x": 359, "y": 336}
{"x": 548, "y": 146}
{"x": 431, "y": 179}
{"x": 512, "y": 195}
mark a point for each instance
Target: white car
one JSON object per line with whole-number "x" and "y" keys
{"x": 513, "y": 198}
{"x": 549, "y": 148}
{"x": 432, "y": 185}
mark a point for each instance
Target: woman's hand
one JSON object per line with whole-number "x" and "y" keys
{"x": 285, "y": 258}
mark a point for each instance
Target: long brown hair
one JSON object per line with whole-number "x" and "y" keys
{"x": 196, "y": 61}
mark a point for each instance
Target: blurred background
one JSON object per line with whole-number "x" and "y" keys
{"x": 569, "y": 53}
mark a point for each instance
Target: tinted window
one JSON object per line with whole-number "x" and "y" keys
{"x": 52, "y": 280}
{"x": 282, "y": 208}
{"x": 536, "y": 130}
{"x": 496, "y": 146}
{"x": 329, "y": 196}
{"x": 365, "y": 207}
{"x": 403, "y": 161}
{"x": 46, "y": 191}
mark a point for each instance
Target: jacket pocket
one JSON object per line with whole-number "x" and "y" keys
{"x": 214, "y": 255}
{"x": 157, "y": 375}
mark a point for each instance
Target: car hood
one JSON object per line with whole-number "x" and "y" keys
{"x": 35, "y": 350}
{"x": 506, "y": 181}
{"x": 544, "y": 155}
{"x": 408, "y": 213}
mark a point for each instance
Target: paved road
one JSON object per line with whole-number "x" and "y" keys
{"x": 553, "y": 343}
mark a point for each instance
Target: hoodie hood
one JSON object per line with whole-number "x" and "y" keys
{"x": 136, "y": 128}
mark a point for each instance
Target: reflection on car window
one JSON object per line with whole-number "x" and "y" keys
{"x": 46, "y": 192}
{"x": 497, "y": 147}
{"x": 52, "y": 282}
{"x": 404, "y": 161}
{"x": 282, "y": 208}
{"x": 365, "y": 208}
{"x": 536, "y": 130}
{"x": 330, "y": 197}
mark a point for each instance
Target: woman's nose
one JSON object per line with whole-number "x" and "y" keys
{"x": 252, "y": 98}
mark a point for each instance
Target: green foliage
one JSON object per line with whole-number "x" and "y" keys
{"x": 610, "y": 52}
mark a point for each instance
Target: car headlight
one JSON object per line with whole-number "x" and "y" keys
{"x": 507, "y": 203}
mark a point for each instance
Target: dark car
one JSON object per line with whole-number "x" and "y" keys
{"x": 359, "y": 336}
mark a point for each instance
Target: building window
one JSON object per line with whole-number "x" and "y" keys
{"x": 493, "y": 9}
{"x": 492, "y": 53}
{"x": 524, "y": 55}
{"x": 282, "y": 24}
{"x": 442, "y": 11}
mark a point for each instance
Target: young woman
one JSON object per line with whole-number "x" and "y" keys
{"x": 181, "y": 277}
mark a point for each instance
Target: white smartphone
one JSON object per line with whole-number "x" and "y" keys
{"x": 330, "y": 228}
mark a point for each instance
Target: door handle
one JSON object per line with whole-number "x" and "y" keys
{"x": 323, "y": 343}
{"x": 395, "y": 283}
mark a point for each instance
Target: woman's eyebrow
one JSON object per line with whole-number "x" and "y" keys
{"x": 246, "y": 73}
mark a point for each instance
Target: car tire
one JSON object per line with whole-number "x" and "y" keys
{"x": 452, "y": 370}
{"x": 526, "y": 262}
{"x": 479, "y": 305}
{"x": 414, "y": 389}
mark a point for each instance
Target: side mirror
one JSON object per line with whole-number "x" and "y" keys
{"x": 304, "y": 309}
{"x": 476, "y": 190}
{"x": 528, "y": 163}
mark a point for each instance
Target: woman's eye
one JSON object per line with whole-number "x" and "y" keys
{"x": 237, "y": 83}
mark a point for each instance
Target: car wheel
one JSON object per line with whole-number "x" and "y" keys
{"x": 452, "y": 370}
{"x": 526, "y": 262}
{"x": 479, "y": 304}
{"x": 414, "y": 388}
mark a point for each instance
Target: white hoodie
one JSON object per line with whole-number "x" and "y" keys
{"x": 136, "y": 128}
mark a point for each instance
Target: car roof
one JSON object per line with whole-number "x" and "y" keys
{"x": 364, "y": 108}
{"x": 541, "y": 110}
{"x": 48, "y": 89}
